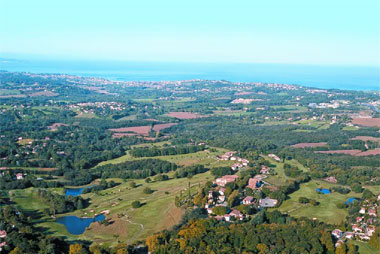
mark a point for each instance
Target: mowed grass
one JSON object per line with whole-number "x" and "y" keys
{"x": 364, "y": 248}
{"x": 280, "y": 178}
{"x": 326, "y": 211}
{"x": 207, "y": 158}
{"x": 127, "y": 224}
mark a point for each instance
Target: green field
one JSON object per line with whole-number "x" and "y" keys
{"x": 280, "y": 178}
{"x": 326, "y": 211}
{"x": 365, "y": 248}
{"x": 127, "y": 224}
{"x": 206, "y": 158}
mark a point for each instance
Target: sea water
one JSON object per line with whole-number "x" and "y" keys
{"x": 339, "y": 77}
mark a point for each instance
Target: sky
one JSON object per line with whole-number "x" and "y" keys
{"x": 320, "y": 32}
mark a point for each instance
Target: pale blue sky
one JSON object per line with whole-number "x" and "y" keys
{"x": 265, "y": 31}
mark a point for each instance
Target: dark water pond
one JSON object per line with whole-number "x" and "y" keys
{"x": 324, "y": 191}
{"x": 76, "y": 225}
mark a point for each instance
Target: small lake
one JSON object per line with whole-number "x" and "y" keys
{"x": 75, "y": 191}
{"x": 351, "y": 200}
{"x": 76, "y": 225}
{"x": 323, "y": 191}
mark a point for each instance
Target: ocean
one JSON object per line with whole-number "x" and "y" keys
{"x": 339, "y": 77}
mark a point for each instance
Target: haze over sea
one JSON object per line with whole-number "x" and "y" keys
{"x": 340, "y": 77}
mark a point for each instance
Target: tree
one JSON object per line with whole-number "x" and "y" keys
{"x": 375, "y": 239}
{"x": 357, "y": 188}
{"x": 219, "y": 210}
{"x": 136, "y": 204}
{"x": 77, "y": 249}
{"x": 263, "y": 248}
{"x": 16, "y": 250}
{"x": 327, "y": 241}
{"x": 147, "y": 190}
{"x": 341, "y": 249}
{"x": 132, "y": 184}
{"x": 352, "y": 249}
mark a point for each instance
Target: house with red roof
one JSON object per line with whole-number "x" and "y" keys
{"x": 222, "y": 181}
{"x": 248, "y": 200}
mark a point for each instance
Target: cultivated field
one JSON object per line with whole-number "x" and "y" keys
{"x": 370, "y": 122}
{"x": 184, "y": 115}
{"x": 365, "y": 138}
{"x": 304, "y": 145}
{"x": 353, "y": 152}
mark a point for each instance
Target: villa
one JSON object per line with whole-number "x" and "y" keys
{"x": 222, "y": 181}
{"x": 337, "y": 233}
{"x": 248, "y": 200}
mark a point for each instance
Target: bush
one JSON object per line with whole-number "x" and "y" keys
{"x": 314, "y": 202}
{"x": 132, "y": 184}
{"x": 136, "y": 204}
{"x": 303, "y": 200}
{"x": 219, "y": 210}
{"x": 161, "y": 178}
{"x": 357, "y": 188}
{"x": 148, "y": 190}
{"x": 341, "y": 205}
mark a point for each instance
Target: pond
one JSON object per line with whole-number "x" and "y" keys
{"x": 323, "y": 191}
{"x": 75, "y": 191}
{"x": 76, "y": 225}
{"x": 351, "y": 200}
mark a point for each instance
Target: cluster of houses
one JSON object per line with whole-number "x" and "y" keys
{"x": 240, "y": 163}
{"x": 364, "y": 225}
{"x": 18, "y": 176}
{"x": 3, "y": 234}
{"x": 217, "y": 197}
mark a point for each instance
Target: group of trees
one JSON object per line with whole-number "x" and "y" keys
{"x": 265, "y": 233}
{"x": 59, "y": 203}
{"x": 9, "y": 181}
{"x": 134, "y": 169}
{"x": 172, "y": 150}
{"x": 190, "y": 171}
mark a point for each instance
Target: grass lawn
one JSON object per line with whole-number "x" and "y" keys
{"x": 350, "y": 128}
{"x": 365, "y": 248}
{"x": 205, "y": 158}
{"x": 280, "y": 178}
{"x": 326, "y": 211}
{"x": 127, "y": 223}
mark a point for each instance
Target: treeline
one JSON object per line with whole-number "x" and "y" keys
{"x": 103, "y": 185}
{"x": 172, "y": 150}
{"x": 190, "y": 171}
{"x": 267, "y": 232}
{"x": 8, "y": 182}
{"x": 22, "y": 237}
{"x": 134, "y": 169}
{"x": 59, "y": 203}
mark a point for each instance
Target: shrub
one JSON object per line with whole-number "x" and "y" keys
{"x": 303, "y": 200}
{"x": 132, "y": 184}
{"x": 148, "y": 190}
{"x": 136, "y": 204}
